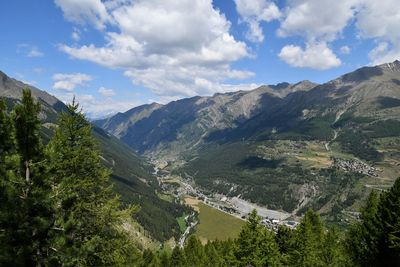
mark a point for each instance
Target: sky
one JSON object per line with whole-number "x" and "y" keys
{"x": 117, "y": 54}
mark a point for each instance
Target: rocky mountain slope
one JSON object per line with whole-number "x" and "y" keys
{"x": 282, "y": 146}
{"x": 132, "y": 175}
{"x": 185, "y": 124}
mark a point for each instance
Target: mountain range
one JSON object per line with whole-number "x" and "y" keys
{"x": 285, "y": 146}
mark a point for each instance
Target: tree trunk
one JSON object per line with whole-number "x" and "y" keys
{"x": 27, "y": 173}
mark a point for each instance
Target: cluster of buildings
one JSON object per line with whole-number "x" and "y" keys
{"x": 355, "y": 165}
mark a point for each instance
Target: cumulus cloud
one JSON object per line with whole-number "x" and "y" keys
{"x": 316, "y": 56}
{"x": 380, "y": 20}
{"x": 384, "y": 52}
{"x": 313, "y": 21}
{"x": 69, "y": 82}
{"x": 106, "y": 92}
{"x": 95, "y": 108}
{"x": 85, "y": 12}
{"x": 317, "y": 20}
{"x": 167, "y": 45}
{"x": 253, "y": 12}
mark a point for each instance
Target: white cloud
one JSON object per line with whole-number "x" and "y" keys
{"x": 32, "y": 83}
{"x": 317, "y": 56}
{"x": 380, "y": 20}
{"x": 34, "y": 52}
{"x": 29, "y": 50}
{"x": 384, "y": 52}
{"x": 69, "y": 82}
{"x": 253, "y": 12}
{"x": 76, "y": 35}
{"x": 106, "y": 92}
{"x": 85, "y": 11}
{"x": 317, "y": 20}
{"x": 38, "y": 70}
{"x": 345, "y": 50}
{"x": 166, "y": 45}
{"x": 95, "y": 108}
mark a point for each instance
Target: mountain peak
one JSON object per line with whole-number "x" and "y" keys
{"x": 391, "y": 67}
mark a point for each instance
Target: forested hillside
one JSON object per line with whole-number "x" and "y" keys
{"x": 131, "y": 174}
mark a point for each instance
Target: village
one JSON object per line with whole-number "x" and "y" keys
{"x": 355, "y": 165}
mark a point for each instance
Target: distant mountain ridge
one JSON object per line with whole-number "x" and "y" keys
{"x": 187, "y": 123}
{"x": 151, "y": 127}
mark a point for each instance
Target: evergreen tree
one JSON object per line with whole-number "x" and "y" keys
{"x": 149, "y": 259}
{"x": 194, "y": 251}
{"x": 89, "y": 214}
{"x": 333, "y": 253}
{"x": 213, "y": 258}
{"x": 388, "y": 214}
{"x": 7, "y": 206}
{"x": 164, "y": 259}
{"x": 227, "y": 250}
{"x": 362, "y": 240}
{"x": 285, "y": 238}
{"x": 307, "y": 249}
{"x": 27, "y": 209}
{"x": 256, "y": 246}
{"x": 6, "y": 131}
{"x": 178, "y": 258}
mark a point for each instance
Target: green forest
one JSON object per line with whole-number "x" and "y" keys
{"x": 57, "y": 208}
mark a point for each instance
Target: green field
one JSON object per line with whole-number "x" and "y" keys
{"x": 215, "y": 224}
{"x": 182, "y": 223}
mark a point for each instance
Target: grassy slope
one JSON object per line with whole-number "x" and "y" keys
{"x": 215, "y": 224}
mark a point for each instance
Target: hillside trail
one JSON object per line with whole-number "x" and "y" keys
{"x": 335, "y": 131}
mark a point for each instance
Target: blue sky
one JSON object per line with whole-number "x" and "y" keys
{"x": 114, "y": 55}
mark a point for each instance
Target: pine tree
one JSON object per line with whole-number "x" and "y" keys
{"x": 27, "y": 209}
{"x": 149, "y": 259}
{"x": 333, "y": 253}
{"x": 307, "y": 248}
{"x": 375, "y": 240}
{"x": 6, "y": 130}
{"x": 213, "y": 258}
{"x": 285, "y": 238}
{"x": 194, "y": 251}
{"x": 362, "y": 239}
{"x": 389, "y": 221}
{"x": 178, "y": 258}
{"x": 89, "y": 214}
{"x": 256, "y": 246}
{"x": 7, "y": 206}
{"x": 164, "y": 259}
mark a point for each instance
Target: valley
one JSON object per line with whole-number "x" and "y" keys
{"x": 280, "y": 149}
{"x": 285, "y": 147}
